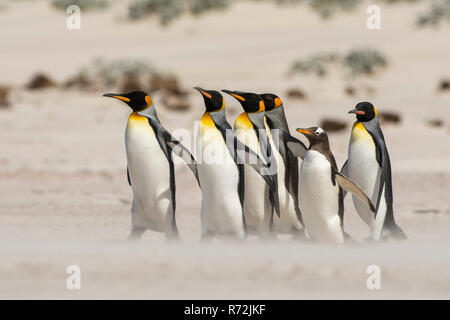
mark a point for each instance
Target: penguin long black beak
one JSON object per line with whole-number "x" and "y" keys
{"x": 235, "y": 94}
{"x": 116, "y": 96}
{"x": 203, "y": 92}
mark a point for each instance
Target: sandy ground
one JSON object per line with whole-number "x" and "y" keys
{"x": 64, "y": 195}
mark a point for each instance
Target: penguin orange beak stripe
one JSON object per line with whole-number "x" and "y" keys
{"x": 234, "y": 95}
{"x": 303, "y": 131}
{"x": 238, "y": 97}
{"x": 357, "y": 112}
{"x": 111, "y": 95}
{"x": 203, "y": 92}
{"x": 121, "y": 98}
{"x": 206, "y": 94}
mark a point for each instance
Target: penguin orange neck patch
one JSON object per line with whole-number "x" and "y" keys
{"x": 136, "y": 120}
{"x": 359, "y": 131}
{"x": 207, "y": 121}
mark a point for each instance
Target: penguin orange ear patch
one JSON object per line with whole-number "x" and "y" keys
{"x": 277, "y": 102}
{"x": 148, "y": 100}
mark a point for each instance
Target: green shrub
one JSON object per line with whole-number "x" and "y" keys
{"x": 201, "y": 6}
{"x": 83, "y": 4}
{"x": 363, "y": 61}
{"x": 167, "y": 10}
{"x": 356, "y": 62}
{"x": 439, "y": 11}
{"x": 328, "y": 8}
{"x": 317, "y": 64}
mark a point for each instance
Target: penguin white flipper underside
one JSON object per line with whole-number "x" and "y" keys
{"x": 350, "y": 186}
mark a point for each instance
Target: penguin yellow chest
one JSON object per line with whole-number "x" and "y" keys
{"x": 245, "y": 132}
{"x": 147, "y": 164}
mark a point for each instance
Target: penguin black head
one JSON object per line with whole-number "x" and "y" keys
{"x": 271, "y": 101}
{"x": 315, "y": 136}
{"x": 136, "y": 100}
{"x": 213, "y": 99}
{"x": 365, "y": 111}
{"x": 251, "y": 102}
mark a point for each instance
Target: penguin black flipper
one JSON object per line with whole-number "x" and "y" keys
{"x": 243, "y": 152}
{"x": 240, "y": 151}
{"x": 128, "y": 176}
{"x": 344, "y": 171}
{"x": 291, "y": 176}
{"x": 373, "y": 127}
{"x": 291, "y": 167}
{"x": 159, "y": 133}
{"x": 296, "y": 147}
{"x": 182, "y": 152}
{"x": 351, "y": 186}
{"x": 175, "y": 146}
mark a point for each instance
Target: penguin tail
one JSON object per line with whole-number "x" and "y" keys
{"x": 395, "y": 232}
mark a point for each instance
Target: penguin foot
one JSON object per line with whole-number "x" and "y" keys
{"x": 173, "y": 237}
{"x": 395, "y": 233}
{"x": 348, "y": 239}
{"x": 207, "y": 237}
{"x": 136, "y": 234}
{"x": 299, "y": 235}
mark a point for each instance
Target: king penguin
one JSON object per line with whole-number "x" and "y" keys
{"x": 221, "y": 171}
{"x": 320, "y": 190}
{"x": 290, "y": 220}
{"x": 369, "y": 165}
{"x": 150, "y": 170}
{"x": 249, "y": 128}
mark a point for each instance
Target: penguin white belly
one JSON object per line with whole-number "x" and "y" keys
{"x": 150, "y": 177}
{"x": 256, "y": 200}
{"x": 364, "y": 169}
{"x": 221, "y": 211}
{"x": 319, "y": 199}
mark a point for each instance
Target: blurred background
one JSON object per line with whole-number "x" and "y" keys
{"x": 64, "y": 194}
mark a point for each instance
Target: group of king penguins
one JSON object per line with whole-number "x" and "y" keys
{"x": 256, "y": 178}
